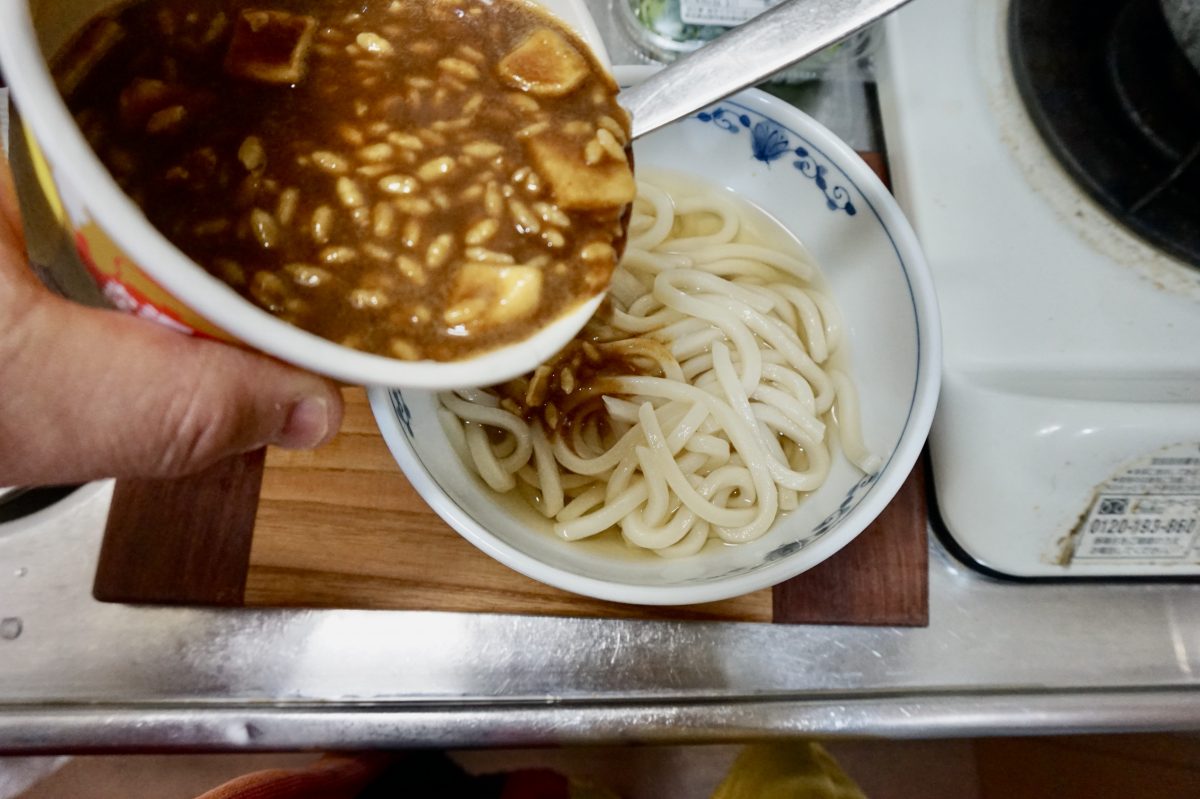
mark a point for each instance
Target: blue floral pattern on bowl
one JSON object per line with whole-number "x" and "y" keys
{"x": 769, "y": 141}
{"x": 847, "y": 504}
{"x": 403, "y": 414}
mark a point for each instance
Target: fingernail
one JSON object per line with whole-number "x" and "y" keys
{"x": 306, "y": 426}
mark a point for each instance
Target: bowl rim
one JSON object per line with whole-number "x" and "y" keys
{"x": 891, "y": 475}
{"x": 44, "y": 113}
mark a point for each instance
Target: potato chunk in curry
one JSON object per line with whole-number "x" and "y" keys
{"x": 544, "y": 64}
{"x": 576, "y": 185}
{"x": 496, "y": 293}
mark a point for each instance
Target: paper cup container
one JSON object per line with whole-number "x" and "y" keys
{"x": 139, "y": 271}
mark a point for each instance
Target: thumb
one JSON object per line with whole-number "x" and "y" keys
{"x": 91, "y": 393}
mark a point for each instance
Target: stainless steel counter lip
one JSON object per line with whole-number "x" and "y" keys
{"x": 386, "y": 725}
{"x": 997, "y": 658}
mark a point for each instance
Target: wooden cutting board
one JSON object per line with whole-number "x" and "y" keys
{"x": 341, "y": 527}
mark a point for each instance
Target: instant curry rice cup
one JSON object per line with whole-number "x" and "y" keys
{"x": 139, "y": 271}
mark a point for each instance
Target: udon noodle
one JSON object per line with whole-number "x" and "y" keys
{"x": 700, "y": 403}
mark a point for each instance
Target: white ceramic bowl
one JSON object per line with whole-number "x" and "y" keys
{"x": 789, "y": 165}
{"x": 141, "y": 272}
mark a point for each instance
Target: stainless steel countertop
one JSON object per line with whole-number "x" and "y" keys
{"x": 997, "y": 658}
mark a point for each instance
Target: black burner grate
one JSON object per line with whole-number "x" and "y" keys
{"x": 1119, "y": 105}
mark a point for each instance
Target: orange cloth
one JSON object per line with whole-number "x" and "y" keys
{"x": 416, "y": 774}
{"x": 332, "y": 777}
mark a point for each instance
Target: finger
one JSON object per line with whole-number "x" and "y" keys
{"x": 91, "y": 393}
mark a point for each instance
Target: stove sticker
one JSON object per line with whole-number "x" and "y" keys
{"x": 1148, "y": 512}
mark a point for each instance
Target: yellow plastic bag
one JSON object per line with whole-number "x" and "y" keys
{"x": 791, "y": 770}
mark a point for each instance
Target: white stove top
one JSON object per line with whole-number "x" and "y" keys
{"x": 1067, "y": 440}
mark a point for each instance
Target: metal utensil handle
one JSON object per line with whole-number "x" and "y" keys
{"x": 745, "y": 55}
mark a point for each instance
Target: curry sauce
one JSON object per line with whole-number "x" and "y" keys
{"x": 414, "y": 179}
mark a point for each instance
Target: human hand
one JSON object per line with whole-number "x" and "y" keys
{"x": 87, "y": 393}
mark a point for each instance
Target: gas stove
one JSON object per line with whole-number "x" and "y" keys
{"x": 1046, "y": 152}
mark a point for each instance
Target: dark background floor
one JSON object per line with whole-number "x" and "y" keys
{"x": 1071, "y": 767}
